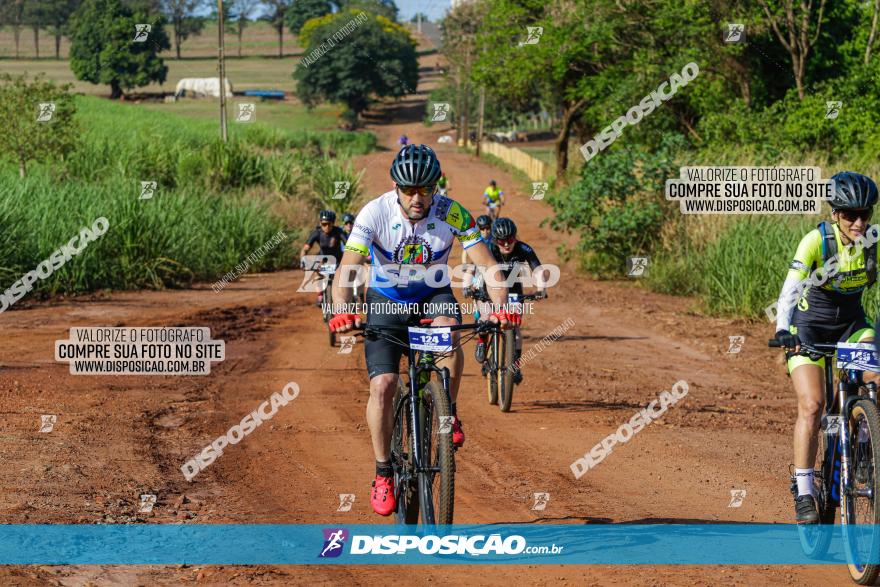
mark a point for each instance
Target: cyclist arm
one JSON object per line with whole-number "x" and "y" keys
{"x": 534, "y": 262}
{"x": 493, "y": 277}
{"x": 808, "y": 254}
{"x": 313, "y": 238}
{"x": 349, "y": 266}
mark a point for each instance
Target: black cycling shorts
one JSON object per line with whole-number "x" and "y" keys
{"x": 812, "y": 332}
{"x": 384, "y": 356}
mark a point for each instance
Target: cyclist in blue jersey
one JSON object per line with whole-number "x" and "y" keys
{"x": 407, "y": 228}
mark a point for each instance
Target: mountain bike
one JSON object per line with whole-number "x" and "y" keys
{"x": 847, "y": 469}
{"x": 500, "y": 362}
{"x": 327, "y": 271}
{"x": 422, "y": 454}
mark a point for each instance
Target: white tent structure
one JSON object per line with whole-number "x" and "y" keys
{"x": 202, "y": 87}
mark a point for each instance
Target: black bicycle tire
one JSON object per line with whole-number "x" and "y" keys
{"x": 505, "y": 369}
{"x": 491, "y": 371}
{"x": 868, "y": 575}
{"x": 445, "y": 458}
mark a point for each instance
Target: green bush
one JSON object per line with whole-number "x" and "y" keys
{"x": 167, "y": 241}
{"x": 617, "y": 206}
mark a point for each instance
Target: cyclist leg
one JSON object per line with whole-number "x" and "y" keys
{"x": 808, "y": 378}
{"x": 383, "y": 364}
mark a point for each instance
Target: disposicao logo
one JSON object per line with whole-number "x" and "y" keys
{"x": 334, "y": 540}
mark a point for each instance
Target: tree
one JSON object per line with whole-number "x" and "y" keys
{"x": 302, "y": 10}
{"x": 12, "y": 13}
{"x": 873, "y": 34}
{"x": 181, "y": 15}
{"x": 240, "y": 13}
{"x": 361, "y": 56}
{"x": 795, "y": 31}
{"x": 58, "y": 15}
{"x": 24, "y": 138}
{"x": 35, "y": 15}
{"x": 103, "y": 51}
{"x": 386, "y": 8}
{"x": 423, "y": 16}
{"x": 275, "y": 17}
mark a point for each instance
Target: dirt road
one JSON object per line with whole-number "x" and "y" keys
{"x": 118, "y": 437}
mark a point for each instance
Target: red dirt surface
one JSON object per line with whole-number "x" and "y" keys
{"x": 119, "y": 436}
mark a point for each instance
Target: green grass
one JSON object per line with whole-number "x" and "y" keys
{"x": 167, "y": 241}
{"x": 740, "y": 271}
{"x": 215, "y": 203}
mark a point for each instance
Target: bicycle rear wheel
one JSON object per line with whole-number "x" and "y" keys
{"x": 492, "y": 370}
{"x": 405, "y": 484}
{"x": 327, "y": 310}
{"x": 505, "y": 368}
{"x": 814, "y": 539}
{"x": 437, "y": 482}
{"x": 860, "y": 509}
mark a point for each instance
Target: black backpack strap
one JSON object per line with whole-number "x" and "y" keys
{"x": 829, "y": 240}
{"x": 871, "y": 260}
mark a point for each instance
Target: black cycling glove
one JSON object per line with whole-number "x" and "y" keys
{"x": 787, "y": 339}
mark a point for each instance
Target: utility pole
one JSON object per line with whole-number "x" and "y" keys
{"x": 419, "y": 20}
{"x": 222, "y": 67}
{"x": 480, "y": 120}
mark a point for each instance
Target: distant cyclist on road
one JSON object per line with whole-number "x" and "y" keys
{"x": 828, "y": 313}
{"x": 493, "y": 199}
{"x": 408, "y": 225}
{"x": 330, "y": 238}
{"x": 347, "y": 223}
{"x": 509, "y": 252}
{"x": 442, "y": 185}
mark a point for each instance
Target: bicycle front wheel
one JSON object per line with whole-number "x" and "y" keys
{"x": 860, "y": 513}
{"x": 505, "y": 368}
{"x": 491, "y": 370}
{"x": 437, "y": 480}
{"x": 814, "y": 538}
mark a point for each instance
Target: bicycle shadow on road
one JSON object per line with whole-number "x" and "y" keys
{"x": 576, "y": 406}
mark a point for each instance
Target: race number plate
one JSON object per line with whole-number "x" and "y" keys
{"x": 857, "y": 356}
{"x": 434, "y": 340}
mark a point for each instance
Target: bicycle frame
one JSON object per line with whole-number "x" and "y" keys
{"x": 417, "y": 365}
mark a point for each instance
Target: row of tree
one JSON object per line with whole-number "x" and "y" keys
{"x": 589, "y": 61}
{"x": 186, "y": 17}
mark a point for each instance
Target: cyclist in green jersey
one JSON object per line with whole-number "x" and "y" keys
{"x": 828, "y": 312}
{"x": 493, "y": 199}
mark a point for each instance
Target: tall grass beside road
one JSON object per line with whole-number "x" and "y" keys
{"x": 214, "y": 203}
{"x": 169, "y": 240}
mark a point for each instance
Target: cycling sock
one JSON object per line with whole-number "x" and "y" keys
{"x": 384, "y": 469}
{"x": 804, "y": 478}
{"x": 454, "y": 412}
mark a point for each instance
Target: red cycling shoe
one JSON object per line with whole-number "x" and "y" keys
{"x": 382, "y": 496}
{"x": 457, "y": 433}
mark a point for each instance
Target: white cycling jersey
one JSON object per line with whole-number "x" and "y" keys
{"x": 382, "y": 230}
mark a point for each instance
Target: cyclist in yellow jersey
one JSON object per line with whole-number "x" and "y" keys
{"x": 828, "y": 312}
{"x": 493, "y": 199}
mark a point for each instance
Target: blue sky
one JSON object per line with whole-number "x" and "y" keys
{"x": 433, "y": 8}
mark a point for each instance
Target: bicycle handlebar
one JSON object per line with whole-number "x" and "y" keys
{"x": 819, "y": 347}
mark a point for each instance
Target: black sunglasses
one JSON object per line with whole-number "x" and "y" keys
{"x": 852, "y": 215}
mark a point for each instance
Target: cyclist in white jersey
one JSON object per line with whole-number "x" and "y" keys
{"x": 408, "y": 227}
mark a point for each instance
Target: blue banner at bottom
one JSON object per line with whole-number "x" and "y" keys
{"x": 605, "y": 544}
